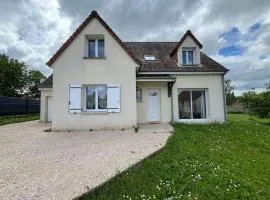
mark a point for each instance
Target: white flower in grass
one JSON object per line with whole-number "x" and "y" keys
{"x": 198, "y": 176}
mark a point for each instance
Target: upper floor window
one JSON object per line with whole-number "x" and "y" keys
{"x": 96, "y": 48}
{"x": 187, "y": 56}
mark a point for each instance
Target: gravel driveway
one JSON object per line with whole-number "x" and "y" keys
{"x": 60, "y": 165}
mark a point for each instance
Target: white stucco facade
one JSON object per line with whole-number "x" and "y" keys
{"x": 45, "y": 94}
{"x": 189, "y": 43}
{"x": 72, "y": 68}
{"x": 165, "y": 101}
{"x": 117, "y": 67}
{"x": 213, "y": 85}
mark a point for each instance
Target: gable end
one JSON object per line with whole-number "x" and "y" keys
{"x": 93, "y": 15}
{"x": 188, "y": 33}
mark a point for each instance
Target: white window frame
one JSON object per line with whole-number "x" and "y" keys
{"x": 96, "y": 48}
{"x": 96, "y": 98}
{"x": 203, "y": 120}
{"x": 186, "y": 52}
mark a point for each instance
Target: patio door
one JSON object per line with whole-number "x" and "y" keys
{"x": 153, "y": 105}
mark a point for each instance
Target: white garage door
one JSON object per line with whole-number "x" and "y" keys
{"x": 49, "y": 107}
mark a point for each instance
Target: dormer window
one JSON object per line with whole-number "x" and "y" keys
{"x": 149, "y": 57}
{"x": 188, "y": 56}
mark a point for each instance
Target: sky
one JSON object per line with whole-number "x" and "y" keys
{"x": 236, "y": 33}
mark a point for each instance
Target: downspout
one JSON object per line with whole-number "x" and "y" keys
{"x": 224, "y": 99}
{"x": 172, "y": 106}
{"x": 171, "y": 87}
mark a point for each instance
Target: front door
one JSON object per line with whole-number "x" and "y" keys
{"x": 153, "y": 105}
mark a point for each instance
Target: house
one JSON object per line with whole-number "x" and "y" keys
{"x": 237, "y": 107}
{"x": 100, "y": 82}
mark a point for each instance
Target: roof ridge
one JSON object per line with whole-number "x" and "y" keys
{"x": 151, "y": 42}
{"x": 190, "y": 34}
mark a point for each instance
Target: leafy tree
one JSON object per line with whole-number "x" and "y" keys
{"x": 229, "y": 92}
{"x": 13, "y": 75}
{"x": 267, "y": 86}
{"x": 34, "y": 78}
{"x": 261, "y": 104}
{"x": 257, "y": 104}
{"x": 16, "y": 80}
{"x": 247, "y": 98}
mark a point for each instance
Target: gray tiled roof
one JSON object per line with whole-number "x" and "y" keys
{"x": 164, "y": 62}
{"x": 47, "y": 83}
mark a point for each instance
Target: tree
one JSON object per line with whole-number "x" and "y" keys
{"x": 267, "y": 86}
{"x": 229, "y": 92}
{"x": 16, "y": 80}
{"x": 257, "y": 104}
{"x": 34, "y": 78}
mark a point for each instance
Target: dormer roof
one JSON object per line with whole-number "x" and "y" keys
{"x": 190, "y": 34}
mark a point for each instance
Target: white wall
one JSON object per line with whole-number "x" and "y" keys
{"x": 165, "y": 101}
{"x": 116, "y": 68}
{"x": 214, "y": 96}
{"x": 44, "y": 94}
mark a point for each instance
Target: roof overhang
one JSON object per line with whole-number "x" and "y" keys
{"x": 44, "y": 89}
{"x": 184, "y": 73}
{"x": 155, "y": 79}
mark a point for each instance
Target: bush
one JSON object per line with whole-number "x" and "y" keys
{"x": 257, "y": 104}
{"x": 261, "y": 105}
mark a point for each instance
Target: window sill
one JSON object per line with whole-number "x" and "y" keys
{"x": 94, "y": 113}
{"x": 194, "y": 65}
{"x": 94, "y": 58}
{"x": 194, "y": 121}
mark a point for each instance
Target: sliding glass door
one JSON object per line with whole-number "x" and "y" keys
{"x": 192, "y": 104}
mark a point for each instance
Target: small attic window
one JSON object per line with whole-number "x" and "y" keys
{"x": 149, "y": 57}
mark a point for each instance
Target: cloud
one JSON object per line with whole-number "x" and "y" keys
{"x": 33, "y": 30}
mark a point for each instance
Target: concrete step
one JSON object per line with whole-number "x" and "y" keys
{"x": 155, "y": 128}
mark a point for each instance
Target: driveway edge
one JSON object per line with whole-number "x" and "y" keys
{"x": 119, "y": 174}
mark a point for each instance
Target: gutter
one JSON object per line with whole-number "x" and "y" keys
{"x": 173, "y": 82}
{"x": 195, "y": 73}
{"x": 224, "y": 99}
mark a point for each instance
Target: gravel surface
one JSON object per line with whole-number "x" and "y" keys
{"x": 61, "y": 165}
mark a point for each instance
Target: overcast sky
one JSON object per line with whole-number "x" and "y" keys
{"x": 236, "y": 33}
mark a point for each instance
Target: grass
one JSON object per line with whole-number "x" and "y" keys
{"x": 18, "y": 118}
{"x": 213, "y": 161}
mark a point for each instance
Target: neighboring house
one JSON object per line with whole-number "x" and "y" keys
{"x": 237, "y": 107}
{"x": 100, "y": 81}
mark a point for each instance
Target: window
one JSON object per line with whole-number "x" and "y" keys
{"x": 149, "y": 57}
{"x": 96, "y": 98}
{"x": 187, "y": 57}
{"x": 139, "y": 94}
{"x": 96, "y": 48}
{"x": 192, "y": 104}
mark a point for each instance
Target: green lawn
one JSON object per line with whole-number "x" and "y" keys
{"x": 18, "y": 118}
{"x": 202, "y": 162}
